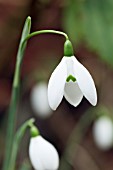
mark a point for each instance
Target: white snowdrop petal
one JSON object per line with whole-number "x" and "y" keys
{"x": 72, "y": 93}
{"x": 69, "y": 65}
{"x": 85, "y": 81}
{"x": 43, "y": 154}
{"x": 103, "y": 133}
{"x": 34, "y": 152}
{"x": 56, "y": 84}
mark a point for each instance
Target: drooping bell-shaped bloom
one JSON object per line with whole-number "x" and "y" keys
{"x": 43, "y": 154}
{"x": 73, "y": 81}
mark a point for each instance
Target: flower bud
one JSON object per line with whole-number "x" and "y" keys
{"x": 43, "y": 154}
{"x": 103, "y": 132}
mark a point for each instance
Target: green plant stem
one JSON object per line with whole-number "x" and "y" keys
{"x": 16, "y": 142}
{"x": 15, "y": 95}
{"x": 75, "y": 138}
{"x": 11, "y": 118}
{"x": 46, "y": 32}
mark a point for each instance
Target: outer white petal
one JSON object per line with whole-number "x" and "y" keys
{"x": 85, "y": 81}
{"x": 72, "y": 93}
{"x": 56, "y": 84}
{"x": 43, "y": 154}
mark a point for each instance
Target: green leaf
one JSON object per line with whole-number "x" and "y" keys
{"x": 15, "y": 94}
{"x": 25, "y": 33}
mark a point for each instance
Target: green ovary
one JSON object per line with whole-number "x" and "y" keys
{"x": 70, "y": 77}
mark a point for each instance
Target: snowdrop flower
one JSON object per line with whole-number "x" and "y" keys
{"x": 103, "y": 133}
{"x": 39, "y": 100}
{"x": 43, "y": 154}
{"x": 71, "y": 80}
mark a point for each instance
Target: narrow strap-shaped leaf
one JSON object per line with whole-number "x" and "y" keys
{"x": 15, "y": 94}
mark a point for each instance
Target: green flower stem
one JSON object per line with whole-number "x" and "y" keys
{"x": 45, "y": 32}
{"x": 11, "y": 125}
{"x": 75, "y": 138}
{"x": 16, "y": 142}
{"x": 15, "y": 95}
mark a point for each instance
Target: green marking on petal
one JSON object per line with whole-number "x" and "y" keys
{"x": 70, "y": 77}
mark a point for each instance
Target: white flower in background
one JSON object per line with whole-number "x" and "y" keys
{"x": 73, "y": 81}
{"x": 43, "y": 154}
{"x": 103, "y": 132}
{"x": 39, "y": 100}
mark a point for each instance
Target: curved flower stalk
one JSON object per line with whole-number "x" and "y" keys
{"x": 43, "y": 154}
{"x": 71, "y": 80}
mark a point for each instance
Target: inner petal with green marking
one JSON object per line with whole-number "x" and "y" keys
{"x": 70, "y": 77}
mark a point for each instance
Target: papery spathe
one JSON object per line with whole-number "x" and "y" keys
{"x": 43, "y": 154}
{"x": 73, "y": 81}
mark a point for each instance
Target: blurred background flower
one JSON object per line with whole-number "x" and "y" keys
{"x": 89, "y": 25}
{"x": 39, "y": 100}
{"x": 103, "y": 132}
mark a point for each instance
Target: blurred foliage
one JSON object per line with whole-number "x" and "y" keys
{"x": 25, "y": 165}
{"x": 91, "y": 21}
